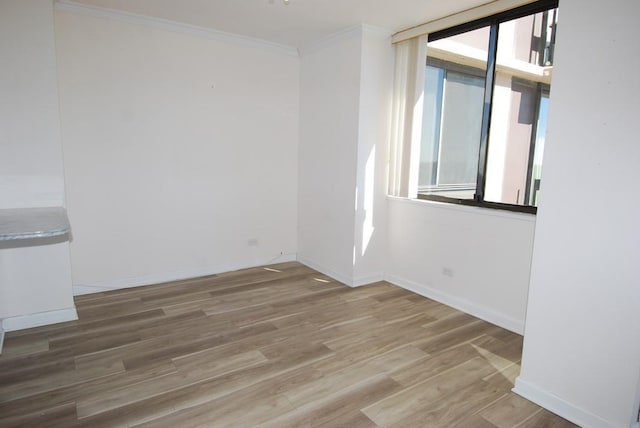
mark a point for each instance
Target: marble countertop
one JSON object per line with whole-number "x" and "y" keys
{"x": 28, "y": 223}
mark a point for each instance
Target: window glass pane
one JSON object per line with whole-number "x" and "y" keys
{"x": 432, "y": 112}
{"x": 519, "y": 105}
{"x": 536, "y": 170}
{"x": 452, "y": 115}
{"x": 461, "y": 126}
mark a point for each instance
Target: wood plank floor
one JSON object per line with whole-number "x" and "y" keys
{"x": 282, "y": 346}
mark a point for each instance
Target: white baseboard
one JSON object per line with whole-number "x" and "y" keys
{"x": 509, "y": 323}
{"x": 354, "y": 281}
{"x": 557, "y": 405}
{"x": 79, "y": 290}
{"x": 116, "y": 284}
{"x": 359, "y": 281}
{"x": 38, "y": 319}
{"x": 329, "y": 272}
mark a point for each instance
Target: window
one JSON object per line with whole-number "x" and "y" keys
{"x": 486, "y": 98}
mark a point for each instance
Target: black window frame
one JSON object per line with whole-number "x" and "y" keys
{"x": 493, "y": 22}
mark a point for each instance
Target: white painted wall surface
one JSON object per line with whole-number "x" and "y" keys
{"x": 31, "y": 173}
{"x": 35, "y": 282}
{"x": 582, "y": 343}
{"x": 329, "y": 114}
{"x": 376, "y": 85}
{"x": 473, "y": 259}
{"x": 180, "y": 151}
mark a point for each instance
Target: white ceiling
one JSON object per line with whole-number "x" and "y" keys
{"x": 298, "y": 24}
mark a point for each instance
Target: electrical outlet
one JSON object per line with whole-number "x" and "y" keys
{"x": 252, "y": 242}
{"x": 447, "y": 272}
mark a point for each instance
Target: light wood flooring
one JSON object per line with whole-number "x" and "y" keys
{"x": 282, "y": 346}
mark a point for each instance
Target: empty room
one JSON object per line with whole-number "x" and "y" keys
{"x": 319, "y": 213}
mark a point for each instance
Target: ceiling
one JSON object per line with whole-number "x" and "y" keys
{"x": 297, "y": 24}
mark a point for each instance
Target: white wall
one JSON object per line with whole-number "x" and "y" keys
{"x": 180, "y": 151}
{"x": 344, "y": 132}
{"x": 376, "y": 86}
{"x": 35, "y": 283}
{"x": 474, "y": 259}
{"x": 31, "y": 172}
{"x": 329, "y": 116}
{"x": 582, "y": 343}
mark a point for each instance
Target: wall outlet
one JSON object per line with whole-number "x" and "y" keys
{"x": 447, "y": 272}
{"x": 252, "y": 242}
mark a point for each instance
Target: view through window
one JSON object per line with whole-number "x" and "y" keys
{"x": 486, "y": 99}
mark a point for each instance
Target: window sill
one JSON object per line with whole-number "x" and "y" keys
{"x": 471, "y": 209}
{"x": 473, "y": 203}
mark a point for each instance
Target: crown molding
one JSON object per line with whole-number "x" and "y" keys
{"x": 380, "y": 31}
{"x": 345, "y": 34}
{"x": 178, "y": 27}
{"x": 331, "y": 39}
